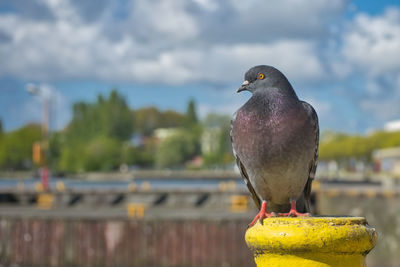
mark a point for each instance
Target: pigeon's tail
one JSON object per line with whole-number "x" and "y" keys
{"x": 303, "y": 204}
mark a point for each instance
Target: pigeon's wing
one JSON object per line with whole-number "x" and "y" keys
{"x": 243, "y": 171}
{"x": 314, "y": 161}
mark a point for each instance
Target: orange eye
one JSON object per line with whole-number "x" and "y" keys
{"x": 261, "y": 76}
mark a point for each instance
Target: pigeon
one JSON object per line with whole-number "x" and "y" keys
{"x": 275, "y": 140}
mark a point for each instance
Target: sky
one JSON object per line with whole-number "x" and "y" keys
{"x": 341, "y": 56}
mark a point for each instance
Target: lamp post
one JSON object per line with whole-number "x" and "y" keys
{"x": 32, "y": 89}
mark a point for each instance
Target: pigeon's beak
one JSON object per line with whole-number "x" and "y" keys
{"x": 243, "y": 87}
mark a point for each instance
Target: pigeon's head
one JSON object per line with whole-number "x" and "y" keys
{"x": 263, "y": 77}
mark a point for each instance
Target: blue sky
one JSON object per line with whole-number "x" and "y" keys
{"x": 341, "y": 56}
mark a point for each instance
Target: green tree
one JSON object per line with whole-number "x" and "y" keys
{"x": 147, "y": 120}
{"x": 102, "y": 154}
{"x": 218, "y": 127}
{"x": 116, "y": 116}
{"x": 108, "y": 122}
{"x": 16, "y": 147}
{"x": 216, "y": 120}
{"x": 145, "y": 155}
{"x": 190, "y": 119}
{"x": 171, "y": 119}
{"x": 175, "y": 150}
{"x": 150, "y": 118}
{"x": 110, "y": 117}
{"x": 339, "y": 146}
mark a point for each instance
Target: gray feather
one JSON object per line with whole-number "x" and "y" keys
{"x": 314, "y": 161}
{"x": 243, "y": 173}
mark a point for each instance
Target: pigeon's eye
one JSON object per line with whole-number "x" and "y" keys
{"x": 261, "y": 76}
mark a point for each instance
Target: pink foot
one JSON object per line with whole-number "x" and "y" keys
{"x": 293, "y": 212}
{"x": 262, "y": 214}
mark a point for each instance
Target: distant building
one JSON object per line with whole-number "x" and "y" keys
{"x": 163, "y": 133}
{"x": 210, "y": 140}
{"x": 388, "y": 160}
{"x": 392, "y": 126}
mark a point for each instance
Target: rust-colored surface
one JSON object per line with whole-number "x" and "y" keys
{"x": 55, "y": 242}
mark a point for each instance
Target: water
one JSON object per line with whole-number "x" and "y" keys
{"x": 154, "y": 183}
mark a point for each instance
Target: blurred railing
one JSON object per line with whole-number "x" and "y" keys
{"x": 144, "y": 203}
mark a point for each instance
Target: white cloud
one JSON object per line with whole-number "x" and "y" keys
{"x": 371, "y": 47}
{"x": 224, "y": 63}
{"x": 205, "y": 41}
{"x": 256, "y": 21}
{"x": 384, "y": 110}
{"x": 298, "y": 59}
{"x": 163, "y": 19}
{"x": 209, "y": 5}
{"x": 162, "y": 42}
{"x": 373, "y": 43}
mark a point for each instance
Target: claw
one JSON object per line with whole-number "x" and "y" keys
{"x": 293, "y": 212}
{"x": 262, "y": 215}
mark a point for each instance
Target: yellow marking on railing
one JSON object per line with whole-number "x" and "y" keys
{"x": 45, "y": 201}
{"x": 232, "y": 185}
{"x": 140, "y": 211}
{"x": 370, "y": 193}
{"x": 389, "y": 193}
{"x": 352, "y": 193}
{"x": 239, "y": 203}
{"x": 145, "y": 186}
{"x": 135, "y": 210}
{"x": 132, "y": 187}
{"x": 222, "y": 186}
{"x": 130, "y": 209}
{"x": 39, "y": 187}
{"x": 316, "y": 185}
{"x": 60, "y": 186}
{"x": 333, "y": 192}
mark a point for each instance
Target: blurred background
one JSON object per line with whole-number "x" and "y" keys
{"x": 115, "y": 117}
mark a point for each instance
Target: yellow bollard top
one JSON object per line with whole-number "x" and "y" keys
{"x": 321, "y": 239}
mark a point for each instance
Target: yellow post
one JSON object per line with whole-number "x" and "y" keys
{"x": 311, "y": 241}
{"x": 45, "y": 201}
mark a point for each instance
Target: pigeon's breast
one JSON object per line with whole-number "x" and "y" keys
{"x": 269, "y": 135}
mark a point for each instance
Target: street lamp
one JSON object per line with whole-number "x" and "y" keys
{"x": 32, "y": 89}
